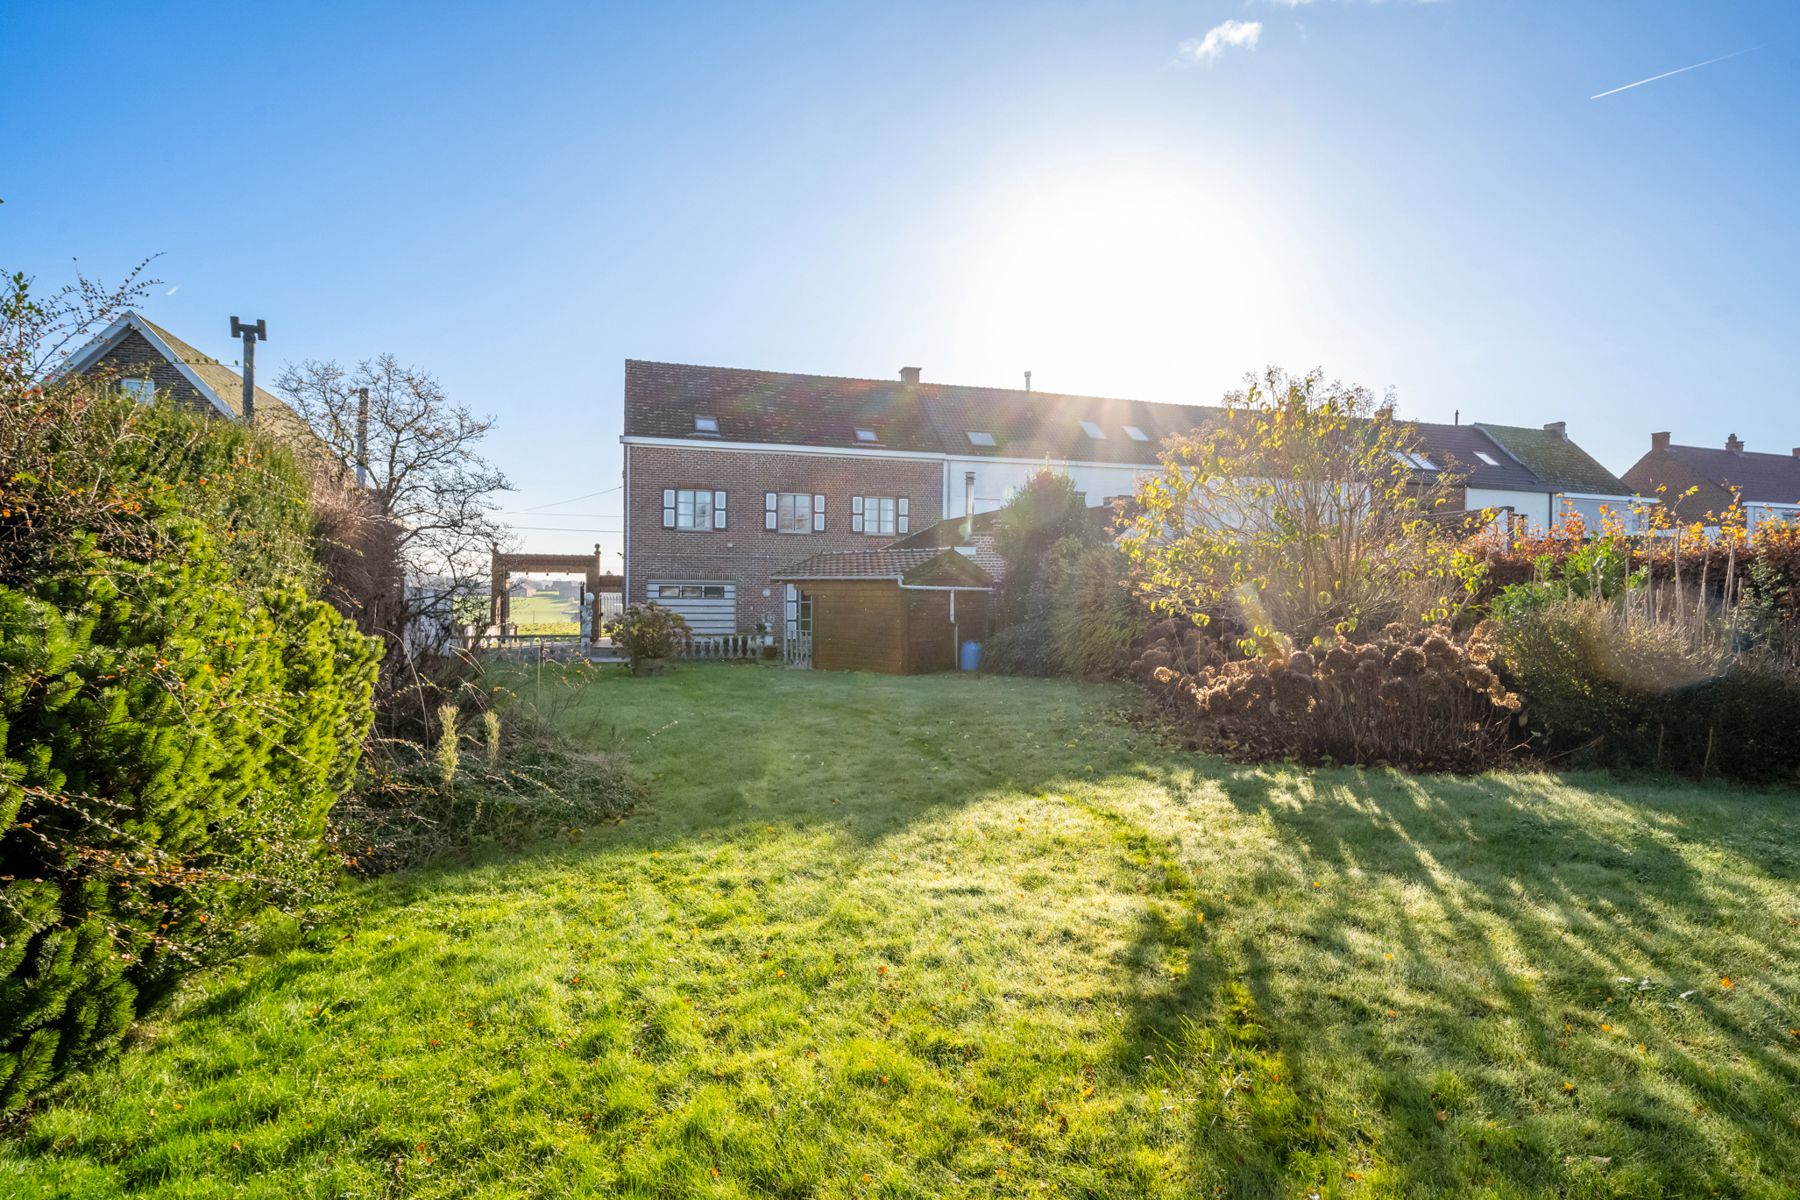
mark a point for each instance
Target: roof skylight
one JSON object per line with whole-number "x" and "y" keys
{"x": 978, "y": 437}
{"x": 1487, "y": 458}
{"x": 866, "y": 435}
{"x": 706, "y": 424}
{"x": 1414, "y": 460}
{"x": 1136, "y": 434}
{"x": 1092, "y": 429}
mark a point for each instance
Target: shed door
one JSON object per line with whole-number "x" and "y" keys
{"x": 707, "y": 607}
{"x": 797, "y": 629}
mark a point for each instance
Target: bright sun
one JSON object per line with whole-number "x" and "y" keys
{"x": 1122, "y": 281}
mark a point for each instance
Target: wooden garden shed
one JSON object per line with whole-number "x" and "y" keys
{"x": 897, "y": 612}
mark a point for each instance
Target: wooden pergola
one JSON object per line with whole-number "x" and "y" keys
{"x": 585, "y": 565}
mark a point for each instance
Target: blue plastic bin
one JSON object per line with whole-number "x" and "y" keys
{"x": 971, "y": 656}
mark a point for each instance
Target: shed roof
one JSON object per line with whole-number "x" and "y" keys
{"x": 921, "y": 566}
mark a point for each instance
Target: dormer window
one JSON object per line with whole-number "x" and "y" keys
{"x": 1136, "y": 434}
{"x": 866, "y": 435}
{"x": 1487, "y": 458}
{"x": 706, "y": 424}
{"x": 1092, "y": 429}
{"x": 979, "y": 438}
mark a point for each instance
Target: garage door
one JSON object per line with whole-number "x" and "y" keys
{"x": 706, "y": 607}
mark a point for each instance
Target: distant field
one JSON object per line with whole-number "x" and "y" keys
{"x": 546, "y": 614}
{"x": 970, "y": 937}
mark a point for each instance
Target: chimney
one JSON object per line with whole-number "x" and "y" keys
{"x": 1659, "y": 441}
{"x": 362, "y": 437}
{"x": 1028, "y": 381}
{"x": 1559, "y": 428}
{"x": 1735, "y": 444}
{"x": 1797, "y": 451}
{"x": 909, "y": 374}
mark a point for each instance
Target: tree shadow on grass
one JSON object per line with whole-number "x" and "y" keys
{"x": 1520, "y": 922}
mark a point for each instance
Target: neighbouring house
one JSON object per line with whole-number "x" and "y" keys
{"x": 733, "y": 475}
{"x": 1766, "y": 485}
{"x": 1532, "y": 479}
{"x": 355, "y": 543}
{"x": 147, "y": 361}
{"x": 893, "y": 611}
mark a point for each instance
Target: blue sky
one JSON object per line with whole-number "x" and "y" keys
{"x": 519, "y": 197}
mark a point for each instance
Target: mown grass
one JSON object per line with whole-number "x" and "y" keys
{"x": 966, "y": 937}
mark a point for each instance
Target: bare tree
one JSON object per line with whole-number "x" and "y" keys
{"x": 428, "y": 494}
{"x": 37, "y": 334}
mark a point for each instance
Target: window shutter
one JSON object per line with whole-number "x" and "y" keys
{"x": 818, "y": 514}
{"x": 668, "y": 508}
{"x": 856, "y": 514}
{"x": 905, "y": 524}
{"x": 718, "y": 510}
{"x": 768, "y": 510}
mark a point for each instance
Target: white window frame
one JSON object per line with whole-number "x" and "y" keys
{"x": 1093, "y": 430}
{"x": 980, "y": 437}
{"x": 1136, "y": 434}
{"x": 1487, "y": 458}
{"x": 881, "y": 516}
{"x": 866, "y": 435}
{"x": 782, "y": 512}
{"x": 682, "y": 509}
{"x": 141, "y": 390}
{"x": 1410, "y": 459}
{"x": 706, "y": 424}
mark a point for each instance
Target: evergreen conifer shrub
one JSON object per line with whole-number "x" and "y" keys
{"x": 177, "y": 711}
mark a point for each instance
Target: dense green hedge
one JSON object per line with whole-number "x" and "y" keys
{"x": 177, "y": 712}
{"x": 1605, "y": 686}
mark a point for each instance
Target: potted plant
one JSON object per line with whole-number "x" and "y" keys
{"x": 650, "y": 635}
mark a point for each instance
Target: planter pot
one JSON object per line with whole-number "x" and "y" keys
{"x": 649, "y": 666}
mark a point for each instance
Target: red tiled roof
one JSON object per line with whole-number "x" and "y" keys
{"x": 662, "y": 400}
{"x": 907, "y": 565}
{"x": 1753, "y": 474}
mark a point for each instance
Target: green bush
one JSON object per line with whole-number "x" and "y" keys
{"x": 177, "y": 712}
{"x": 1096, "y": 621}
{"x": 649, "y": 631}
{"x": 1606, "y": 685}
{"x": 1077, "y": 616}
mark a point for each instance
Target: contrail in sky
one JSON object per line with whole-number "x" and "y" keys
{"x": 1678, "y": 70}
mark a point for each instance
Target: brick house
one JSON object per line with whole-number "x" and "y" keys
{"x": 1766, "y": 485}
{"x": 732, "y": 475}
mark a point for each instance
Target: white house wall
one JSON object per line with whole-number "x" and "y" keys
{"x": 997, "y": 480}
{"x": 1534, "y": 507}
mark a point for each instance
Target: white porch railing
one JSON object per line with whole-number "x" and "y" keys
{"x": 727, "y": 645}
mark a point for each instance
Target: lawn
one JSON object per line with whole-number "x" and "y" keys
{"x": 971, "y": 937}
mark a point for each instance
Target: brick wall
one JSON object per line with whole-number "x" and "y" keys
{"x": 744, "y": 552}
{"x": 135, "y": 358}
